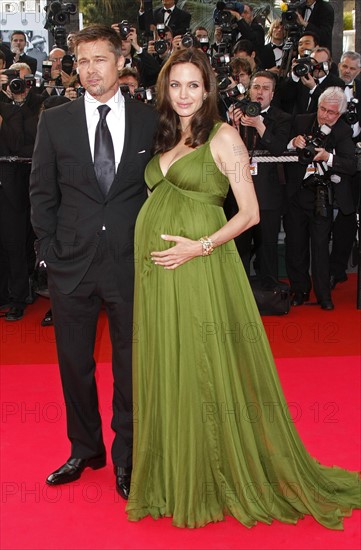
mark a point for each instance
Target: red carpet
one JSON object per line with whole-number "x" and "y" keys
{"x": 319, "y": 364}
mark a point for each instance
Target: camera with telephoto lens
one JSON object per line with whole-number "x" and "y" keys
{"x": 124, "y": 28}
{"x": 289, "y": 13}
{"x": 351, "y": 115}
{"x": 308, "y": 153}
{"x": 248, "y": 107}
{"x": 16, "y": 84}
{"x": 222, "y": 15}
{"x": 322, "y": 188}
{"x": 220, "y": 63}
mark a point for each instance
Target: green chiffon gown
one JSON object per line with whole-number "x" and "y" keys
{"x": 213, "y": 436}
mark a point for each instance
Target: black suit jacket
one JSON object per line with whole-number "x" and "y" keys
{"x": 68, "y": 208}
{"x": 11, "y": 135}
{"x": 321, "y": 22}
{"x": 274, "y": 140}
{"x": 179, "y": 21}
{"x": 339, "y": 142}
{"x": 295, "y": 95}
{"x": 31, "y": 61}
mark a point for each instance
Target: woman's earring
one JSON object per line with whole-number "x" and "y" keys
{"x": 205, "y": 96}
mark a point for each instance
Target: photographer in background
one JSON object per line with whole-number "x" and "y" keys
{"x": 345, "y": 225}
{"x": 247, "y": 27}
{"x": 310, "y": 77}
{"x": 318, "y": 16}
{"x": 17, "y": 237}
{"x": 178, "y": 20}
{"x": 18, "y": 41}
{"x": 59, "y": 79}
{"x": 268, "y": 131}
{"x": 13, "y": 287}
{"x": 326, "y": 160}
{"x": 135, "y": 56}
{"x": 271, "y": 53}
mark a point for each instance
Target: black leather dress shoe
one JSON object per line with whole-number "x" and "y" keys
{"x": 327, "y": 304}
{"x": 335, "y": 280}
{"x": 122, "y": 481}
{"x": 48, "y": 319}
{"x": 14, "y": 314}
{"x": 73, "y": 468}
{"x": 300, "y": 298}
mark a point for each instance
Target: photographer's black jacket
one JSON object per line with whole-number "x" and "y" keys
{"x": 339, "y": 142}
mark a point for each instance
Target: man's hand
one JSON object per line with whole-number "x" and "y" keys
{"x": 70, "y": 93}
{"x": 322, "y": 154}
{"x": 254, "y": 122}
{"x": 301, "y": 21}
{"x": 308, "y": 81}
{"x": 132, "y": 36}
{"x": 299, "y": 142}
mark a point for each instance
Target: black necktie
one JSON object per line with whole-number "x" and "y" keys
{"x": 349, "y": 86}
{"x": 166, "y": 11}
{"x": 104, "y": 160}
{"x": 316, "y": 81}
{"x": 275, "y": 46}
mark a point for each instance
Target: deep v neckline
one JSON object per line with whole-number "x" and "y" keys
{"x": 177, "y": 160}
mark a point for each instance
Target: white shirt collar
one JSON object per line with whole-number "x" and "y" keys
{"x": 116, "y": 104}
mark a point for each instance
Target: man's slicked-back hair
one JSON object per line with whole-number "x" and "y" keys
{"x": 94, "y": 33}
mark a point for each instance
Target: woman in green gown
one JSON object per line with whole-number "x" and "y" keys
{"x": 212, "y": 431}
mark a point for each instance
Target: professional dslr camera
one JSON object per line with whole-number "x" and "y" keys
{"x": 220, "y": 63}
{"x": 322, "y": 188}
{"x": 308, "y": 153}
{"x": 161, "y": 45}
{"x": 351, "y": 115}
{"x": 289, "y": 13}
{"x": 16, "y": 84}
{"x": 248, "y": 107}
{"x": 307, "y": 65}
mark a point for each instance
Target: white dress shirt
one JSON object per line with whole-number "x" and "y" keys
{"x": 115, "y": 121}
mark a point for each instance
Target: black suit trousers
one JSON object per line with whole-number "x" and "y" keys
{"x": 307, "y": 233}
{"x": 14, "y": 235}
{"x": 264, "y": 236}
{"x": 75, "y": 319}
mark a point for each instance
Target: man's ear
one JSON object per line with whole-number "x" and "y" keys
{"x": 120, "y": 62}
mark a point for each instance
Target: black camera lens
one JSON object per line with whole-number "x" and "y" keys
{"x": 302, "y": 68}
{"x": 160, "y": 46}
{"x": 17, "y": 86}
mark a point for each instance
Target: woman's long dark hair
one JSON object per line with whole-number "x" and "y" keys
{"x": 169, "y": 132}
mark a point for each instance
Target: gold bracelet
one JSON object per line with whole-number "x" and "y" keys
{"x": 207, "y": 245}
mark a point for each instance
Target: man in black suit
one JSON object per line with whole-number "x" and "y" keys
{"x": 269, "y": 131}
{"x": 11, "y": 201}
{"x": 17, "y": 44}
{"x": 87, "y": 186}
{"x": 318, "y": 16}
{"x": 345, "y": 225}
{"x": 309, "y": 214}
{"x": 171, "y": 16}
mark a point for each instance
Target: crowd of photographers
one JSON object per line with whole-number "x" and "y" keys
{"x": 278, "y": 86}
